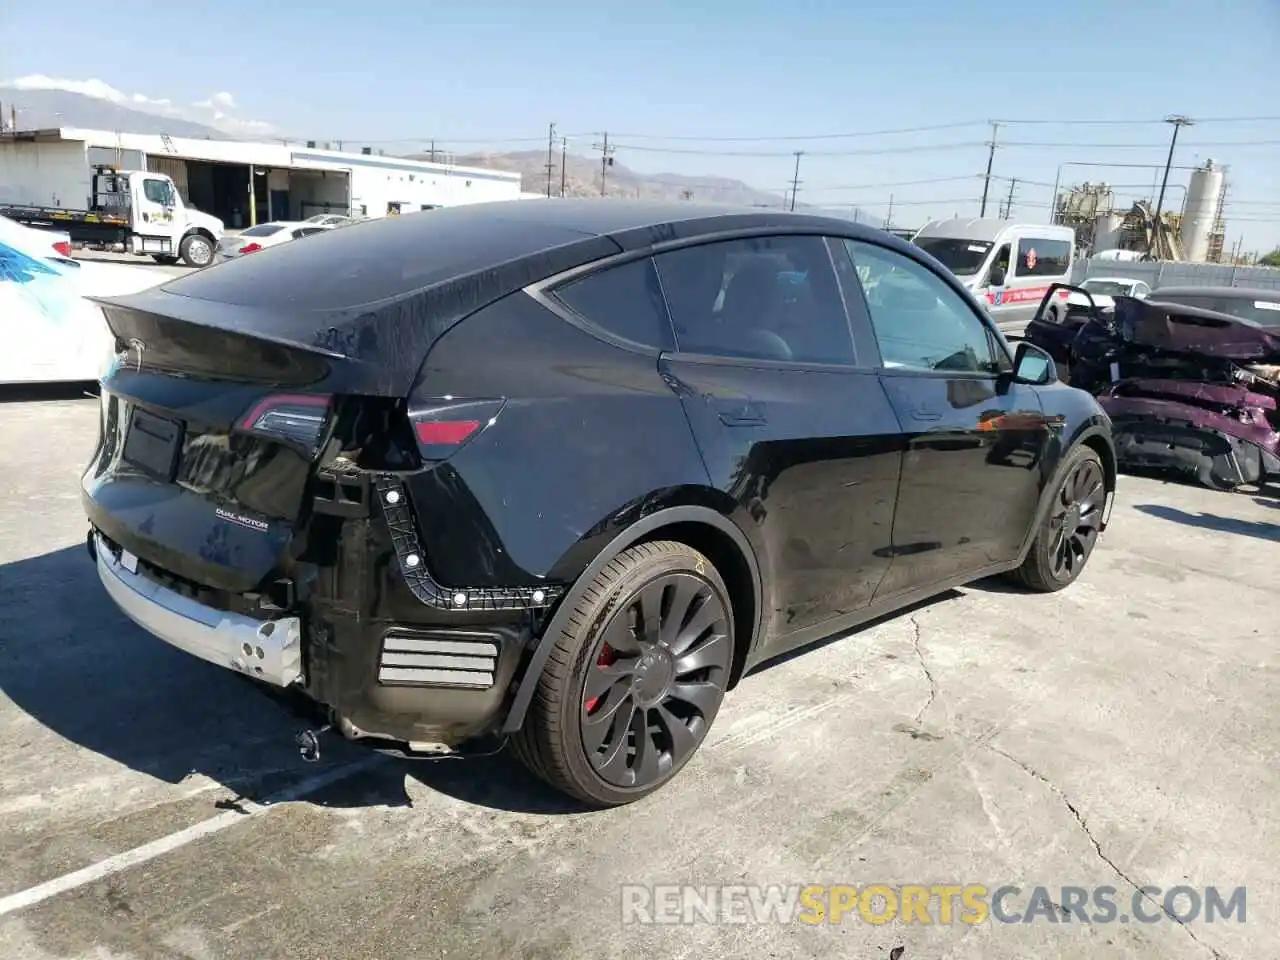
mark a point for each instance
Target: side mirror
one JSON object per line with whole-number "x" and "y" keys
{"x": 1033, "y": 365}
{"x": 996, "y": 277}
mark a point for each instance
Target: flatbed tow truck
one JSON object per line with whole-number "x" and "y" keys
{"x": 139, "y": 210}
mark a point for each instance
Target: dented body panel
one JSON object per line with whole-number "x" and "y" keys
{"x": 1188, "y": 388}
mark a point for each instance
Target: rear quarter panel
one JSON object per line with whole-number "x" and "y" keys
{"x": 589, "y": 432}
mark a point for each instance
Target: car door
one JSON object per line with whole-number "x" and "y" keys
{"x": 156, "y": 205}
{"x": 975, "y": 441}
{"x": 789, "y": 416}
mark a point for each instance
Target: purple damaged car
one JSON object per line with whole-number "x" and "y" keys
{"x": 1189, "y": 377}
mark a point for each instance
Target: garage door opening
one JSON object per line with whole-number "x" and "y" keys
{"x": 313, "y": 192}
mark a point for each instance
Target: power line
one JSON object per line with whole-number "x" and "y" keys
{"x": 904, "y": 183}
{"x": 880, "y": 151}
{"x": 928, "y": 128}
{"x": 1139, "y": 146}
{"x": 798, "y": 137}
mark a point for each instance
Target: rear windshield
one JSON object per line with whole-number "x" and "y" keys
{"x": 262, "y": 230}
{"x": 961, "y": 257}
{"x": 373, "y": 260}
{"x": 1108, "y": 288}
{"x": 1264, "y": 312}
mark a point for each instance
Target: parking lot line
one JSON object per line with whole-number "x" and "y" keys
{"x": 173, "y": 841}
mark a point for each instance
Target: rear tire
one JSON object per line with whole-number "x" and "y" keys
{"x": 196, "y": 250}
{"x": 1069, "y": 532}
{"x": 634, "y": 681}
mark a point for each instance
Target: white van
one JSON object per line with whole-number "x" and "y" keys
{"x": 1009, "y": 266}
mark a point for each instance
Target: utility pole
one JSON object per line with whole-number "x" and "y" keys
{"x": 1178, "y": 122}
{"x": 795, "y": 180}
{"x": 888, "y": 217}
{"x": 991, "y": 157}
{"x": 606, "y": 158}
{"x": 551, "y": 142}
{"x": 1008, "y": 207}
{"x": 564, "y": 150}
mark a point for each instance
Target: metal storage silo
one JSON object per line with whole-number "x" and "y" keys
{"x": 1107, "y": 231}
{"x": 1203, "y": 196}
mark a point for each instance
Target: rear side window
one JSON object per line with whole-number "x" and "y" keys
{"x": 625, "y": 300}
{"x": 768, "y": 298}
{"x": 1042, "y": 258}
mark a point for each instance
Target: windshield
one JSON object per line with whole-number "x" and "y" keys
{"x": 1108, "y": 288}
{"x": 1265, "y": 313}
{"x": 262, "y": 230}
{"x": 961, "y": 257}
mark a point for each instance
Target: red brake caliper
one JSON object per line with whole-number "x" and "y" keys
{"x": 607, "y": 656}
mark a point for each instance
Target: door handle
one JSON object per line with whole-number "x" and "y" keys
{"x": 739, "y": 413}
{"x": 924, "y": 413}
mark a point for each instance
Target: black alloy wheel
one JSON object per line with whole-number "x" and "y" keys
{"x": 656, "y": 681}
{"x": 635, "y": 677}
{"x": 1069, "y": 533}
{"x": 1076, "y": 519}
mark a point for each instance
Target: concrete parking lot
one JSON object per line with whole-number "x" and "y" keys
{"x": 1123, "y": 733}
{"x": 162, "y": 272}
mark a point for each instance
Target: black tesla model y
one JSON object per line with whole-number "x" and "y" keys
{"x": 558, "y": 472}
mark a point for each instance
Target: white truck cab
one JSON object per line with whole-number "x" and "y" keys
{"x": 162, "y": 226}
{"x": 138, "y": 209}
{"x": 1008, "y": 266}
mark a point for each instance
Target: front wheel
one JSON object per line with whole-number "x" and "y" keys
{"x": 1069, "y": 532}
{"x": 635, "y": 679}
{"x": 196, "y": 250}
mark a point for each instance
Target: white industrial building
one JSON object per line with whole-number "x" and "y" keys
{"x": 242, "y": 182}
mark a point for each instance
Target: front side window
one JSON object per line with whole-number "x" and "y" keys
{"x": 625, "y": 300}
{"x": 158, "y": 191}
{"x": 766, "y": 298}
{"x": 1042, "y": 258}
{"x": 920, "y": 322}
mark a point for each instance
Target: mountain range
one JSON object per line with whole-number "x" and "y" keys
{"x": 45, "y": 109}
{"x": 38, "y": 109}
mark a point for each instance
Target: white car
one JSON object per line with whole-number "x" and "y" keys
{"x": 56, "y": 243}
{"x": 265, "y": 235}
{"x": 64, "y": 337}
{"x": 1104, "y": 290}
{"x": 330, "y": 220}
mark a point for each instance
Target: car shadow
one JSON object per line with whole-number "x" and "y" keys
{"x": 74, "y": 663}
{"x": 1208, "y": 521}
{"x": 37, "y": 392}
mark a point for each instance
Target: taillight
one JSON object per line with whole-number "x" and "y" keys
{"x": 442, "y": 427}
{"x": 64, "y": 248}
{"x": 251, "y": 248}
{"x": 294, "y": 418}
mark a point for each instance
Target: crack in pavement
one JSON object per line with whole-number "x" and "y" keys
{"x": 1097, "y": 847}
{"x": 933, "y": 684}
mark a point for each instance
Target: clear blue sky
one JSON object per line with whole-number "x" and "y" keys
{"x": 500, "y": 71}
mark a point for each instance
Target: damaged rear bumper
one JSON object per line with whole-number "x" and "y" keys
{"x": 1162, "y": 435}
{"x": 267, "y": 650}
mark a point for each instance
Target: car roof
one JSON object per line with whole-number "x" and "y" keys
{"x": 1128, "y": 280}
{"x": 989, "y": 229}
{"x": 623, "y": 219}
